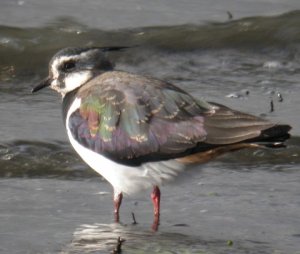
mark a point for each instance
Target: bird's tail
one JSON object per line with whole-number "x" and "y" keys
{"x": 272, "y": 137}
{"x": 276, "y": 134}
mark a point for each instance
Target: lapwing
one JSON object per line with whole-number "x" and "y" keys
{"x": 138, "y": 131}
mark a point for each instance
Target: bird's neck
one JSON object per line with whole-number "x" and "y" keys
{"x": 68, "y": 99}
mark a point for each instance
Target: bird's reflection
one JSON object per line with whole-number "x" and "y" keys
{"x": 133, "y": 237}
{"x": 137, "y": 238}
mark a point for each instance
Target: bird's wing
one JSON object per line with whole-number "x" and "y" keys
{"x": 227, "y": 126}
{"x": 125, "y": 116}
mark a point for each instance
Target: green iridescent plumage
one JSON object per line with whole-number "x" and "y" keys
{"x": 137, "y": 115}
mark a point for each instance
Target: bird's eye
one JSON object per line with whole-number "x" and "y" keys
{"x": 68, "y": 65}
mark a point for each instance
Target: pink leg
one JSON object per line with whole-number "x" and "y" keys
{"x": 155, "y": 196}
{"x": 118, "y": 196}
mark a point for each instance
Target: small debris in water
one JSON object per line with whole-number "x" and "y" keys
{"x": 118, "y": 249}
{"x": 271, "y": 106}
{"x": 229, "y": 243}
{"x": 230, "y": 16}
{"x": 133, "y": 218}
{"x": 181, "y": 225}
{"x": 212, "y": 194}
{"x": 239, "y": 95}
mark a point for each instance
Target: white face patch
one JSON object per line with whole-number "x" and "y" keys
{"x": 72, "y": 81}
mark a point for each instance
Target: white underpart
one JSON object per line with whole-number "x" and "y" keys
{"x": 123, "y": 178}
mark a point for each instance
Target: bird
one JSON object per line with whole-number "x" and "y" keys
{"x": 138, "y": 131}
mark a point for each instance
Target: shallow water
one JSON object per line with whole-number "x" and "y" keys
{"x": 51, "y": 202}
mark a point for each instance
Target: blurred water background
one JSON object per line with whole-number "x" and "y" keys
{"x": 244, "y": 54}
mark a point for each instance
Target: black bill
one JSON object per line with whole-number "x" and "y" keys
{"x": 45, "y": 83}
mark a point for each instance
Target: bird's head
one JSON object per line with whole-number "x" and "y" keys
{"x": 70, "y": 68}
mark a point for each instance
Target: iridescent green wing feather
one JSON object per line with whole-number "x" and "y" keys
{"x": 127, "y": 116}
